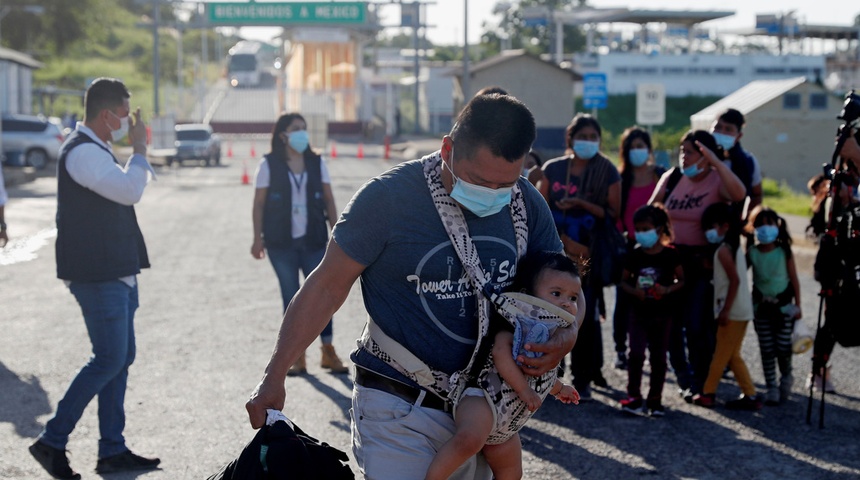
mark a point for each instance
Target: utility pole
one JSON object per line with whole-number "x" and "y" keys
{"x": 156, "y": 58}
{"x": 464, "y": 85}
{"x": 417, "y": 67}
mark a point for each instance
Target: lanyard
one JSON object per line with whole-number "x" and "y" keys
{"x": 297, "y": 181}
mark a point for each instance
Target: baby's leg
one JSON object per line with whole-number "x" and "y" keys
{"x": 474, "y": 422}
{"x": 510, "y": 371}
{"x": 506, "y": 459}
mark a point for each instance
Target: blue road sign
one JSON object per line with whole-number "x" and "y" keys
{"x": 594, "y": 90}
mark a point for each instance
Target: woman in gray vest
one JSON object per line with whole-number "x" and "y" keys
{"x": 292, "y": 203}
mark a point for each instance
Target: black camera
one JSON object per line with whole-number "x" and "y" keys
{"x": 850, "y": 109}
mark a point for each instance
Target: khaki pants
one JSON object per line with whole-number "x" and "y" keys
{"x": 730, "y": 337}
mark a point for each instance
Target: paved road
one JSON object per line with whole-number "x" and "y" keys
{"x": 208, "y": 319}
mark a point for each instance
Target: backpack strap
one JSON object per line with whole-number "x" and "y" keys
{"x": 674, "y": 178}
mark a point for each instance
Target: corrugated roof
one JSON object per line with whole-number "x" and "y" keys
{"x": 509, "y": 55}
{"x": 20, "y": 58}
{"x": 749, "y": 97}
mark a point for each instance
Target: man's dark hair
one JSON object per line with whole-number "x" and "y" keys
{"x": 499, "y": 122}
{"x": 580, "y": 121}
{"x": 104, "y": 94}
{"x": 734, "y": 117}
{"x": 492, "y": 89}
{"x": 705, "y": 138}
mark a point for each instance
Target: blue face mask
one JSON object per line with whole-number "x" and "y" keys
{"x": 713, "y": 236}
{"x": 585, "y": 149}
{"x": 298, "y": 140}
{"x": 766, "y": 233}
{"x": 638, "y": 156}
{"x": 690, "y": 171}
{"x": 725, "y": 141}
{"x": 481, "y": 201}
{"x": 648, "y": 238}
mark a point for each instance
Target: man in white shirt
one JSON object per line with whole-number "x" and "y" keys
{"x": 100, "y": 250}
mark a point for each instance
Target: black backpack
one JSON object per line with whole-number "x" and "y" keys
{"x": 282, "y": 451}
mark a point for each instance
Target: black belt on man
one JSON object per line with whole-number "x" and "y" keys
{"x": 369, "y": 379}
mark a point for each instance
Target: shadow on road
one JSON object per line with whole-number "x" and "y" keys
{"x": 21, "y": 402}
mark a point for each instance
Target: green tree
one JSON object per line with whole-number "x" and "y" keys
{"x": 536, "y": 39}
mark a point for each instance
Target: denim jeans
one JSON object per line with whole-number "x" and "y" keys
{"x": 287, "y": 262}
{"x": 108, "y": 309}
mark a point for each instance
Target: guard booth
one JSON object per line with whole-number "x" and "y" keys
{"x": 318, "y": 70}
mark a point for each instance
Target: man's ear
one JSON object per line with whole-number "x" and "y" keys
{"x": 740, "y": 134}
{"x": 447, "y": 148}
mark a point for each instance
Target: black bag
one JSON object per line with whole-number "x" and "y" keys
{"x": 607, "y": 254}
{"x": 283, "y": 451}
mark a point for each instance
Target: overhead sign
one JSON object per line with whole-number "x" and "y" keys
{"x": 650, "y": 104}
{"x": 594, "y": 90}
{"x": 409, "y": 13}
{"x": 279, "y": 14}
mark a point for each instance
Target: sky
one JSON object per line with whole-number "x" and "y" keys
{"x": 446, "y": 16}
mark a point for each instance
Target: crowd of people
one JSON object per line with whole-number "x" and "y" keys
{"x": 484, "y": 198}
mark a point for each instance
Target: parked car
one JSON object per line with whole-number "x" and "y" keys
{"x": 30, "y": 141}
{"x": 196, "y": 141}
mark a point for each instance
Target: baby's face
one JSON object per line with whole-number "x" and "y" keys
{"x": 559, "y": 288}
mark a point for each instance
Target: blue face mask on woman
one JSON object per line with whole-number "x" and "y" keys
{"x": 298, "y": 140}
{"x": 638, "y": 156}
{"x": 648, "y": 238}
{"x": 767, "y": 233}
{"x": 585, "y": 149}
{"x": 481, "y": 201}
{"x": 691, "y": 170}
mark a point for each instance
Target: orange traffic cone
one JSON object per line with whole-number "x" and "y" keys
{"x": 387, "y": 154}
{"x": 253, "y": 152}
{"x": 360, "y": 150}
{"x": 230, "y": 149}
{"x": 245, "y": 179}
{"x": 333, "y": 150}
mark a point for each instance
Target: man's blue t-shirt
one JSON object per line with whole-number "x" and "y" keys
{"x": 414, "y": 286}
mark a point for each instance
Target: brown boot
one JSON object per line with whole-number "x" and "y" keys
{"x": 329, "y": 360}
{"x": 299, "y": 367}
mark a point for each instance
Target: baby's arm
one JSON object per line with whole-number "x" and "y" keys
{"x": 564, "y": 393}
{"x": 510, "y": 371}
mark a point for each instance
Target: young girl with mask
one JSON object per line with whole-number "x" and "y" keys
{"x": 652, "y": 274}
{"x": 706, "y": 180}
{"x": 732, "y": 308}
{"x": 292, "y": 203}
{"x": 776, "y": 299}
{"x": 579, "y": 186}
{"x": 639, "y": 177}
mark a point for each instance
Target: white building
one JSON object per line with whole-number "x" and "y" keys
{"x": 16, "y": 81}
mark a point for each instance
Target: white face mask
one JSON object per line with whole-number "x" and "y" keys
{"x": 122, "y": 131}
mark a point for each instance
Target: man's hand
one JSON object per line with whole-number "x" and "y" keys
{"x": 554, "y": 350}
{"x": 263, "y": 397}
{"x": 137, "y": 133}
{"x": 258, "y": 249}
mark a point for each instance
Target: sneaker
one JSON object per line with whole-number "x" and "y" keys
{"x": 772, "y": 397}
{"x": 816, "y": 383}
{"x": 621, "y": 361}
{"x": 124, "y": 462}
{"x": 53, "y": 460}
{"x": 785, "y": 384}
{"x": 686, "y": 394}
{"x": 634, "y": 406}
{"x": 707, "y": 400}
{"x": 744, "y": 402}
{"x": 656, "y": 409}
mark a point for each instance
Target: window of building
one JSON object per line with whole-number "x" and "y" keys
{"x": 791, "y": 101}
{"x": 818, "y": 101}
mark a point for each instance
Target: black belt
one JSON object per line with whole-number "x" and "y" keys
{"x": 369, "y": 379}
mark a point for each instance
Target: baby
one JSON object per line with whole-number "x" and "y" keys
{"x": 552, "y": 277}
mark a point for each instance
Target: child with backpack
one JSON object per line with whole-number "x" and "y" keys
{"x": 549, "y": 276}
{"x": 733, "y": 308}
{"x": 652, "y": 274}
{"x": 776, "y": 299}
